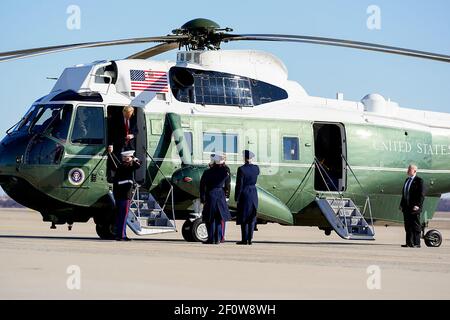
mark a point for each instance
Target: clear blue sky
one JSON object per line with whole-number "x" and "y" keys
{"x": 323, "y": 71}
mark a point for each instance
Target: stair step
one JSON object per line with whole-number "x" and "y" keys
{"x": 147, "y": 217}
{"x": 361, "y": 237}
{"x": 354, "y": 222}
{"x": 345, "y": 218}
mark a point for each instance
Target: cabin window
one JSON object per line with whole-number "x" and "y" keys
{"x": 220, "y": 142}
{"x": 219, "y": 88}
{"x": 290, "y": 148}
{"x": 88, "y": 127}
{"x": 188, "y": 138}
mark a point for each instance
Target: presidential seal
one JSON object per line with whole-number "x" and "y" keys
{"x": 76, "y": 176}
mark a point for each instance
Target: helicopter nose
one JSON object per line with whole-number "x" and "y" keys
{"x": 12, "y": 150}
{"x": 3, "y": 156}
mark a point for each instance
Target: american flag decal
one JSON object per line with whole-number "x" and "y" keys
{"x": 149, "y": 80}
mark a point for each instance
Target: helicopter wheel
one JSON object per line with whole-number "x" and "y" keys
{"x": 105, "y": 231}
{"x": 327, "y": 232}
{"x": 199, "y": 230}
{"x": 186, "y": 231}
{"x": 433, "y": 238}
{"x": 194, "y": 231}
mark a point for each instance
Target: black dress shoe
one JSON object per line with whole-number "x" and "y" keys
{"x": 416, "y": 246}
{"x": 249, "y": 242}
{"x": 118, "y": 239}
{"x": 406, "y": 246}
{"x": 241, "y": 242}
{"x": 126, "y": 239}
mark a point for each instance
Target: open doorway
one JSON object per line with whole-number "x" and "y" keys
{"x": 117, "y": 137}
{"x": 329, "y": 147}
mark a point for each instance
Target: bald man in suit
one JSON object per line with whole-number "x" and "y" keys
{"x": 413, "y": 195}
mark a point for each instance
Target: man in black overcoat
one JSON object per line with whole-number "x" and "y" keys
{"x": 413, "y": 195}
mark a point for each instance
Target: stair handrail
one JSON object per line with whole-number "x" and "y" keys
{"x": 367, "y": 203}
{"x": 170, "y": 193}
{"x": 296, "y": 192}
{"x": 340, "y": 193}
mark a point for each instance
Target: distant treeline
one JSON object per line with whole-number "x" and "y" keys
{"x": 444, "y": 205}
{"x": 7, "y": 202}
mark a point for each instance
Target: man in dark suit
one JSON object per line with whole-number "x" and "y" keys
{"x": 246, "y": 197}
{"x": 413, "y": 195}
{"x": 213, "y": 184}
{"x": 122, "y": 132}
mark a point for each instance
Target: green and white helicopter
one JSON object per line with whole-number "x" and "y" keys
{"x": 334, "y": 164}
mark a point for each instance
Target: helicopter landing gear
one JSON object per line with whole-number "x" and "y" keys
{"x": 105, "y": 231}
{"x": 327, "y": 231}
{"x": 53, "y": 226}
{"x": 194, "y": 230}
{"x": 105, "y": 225}
{"x": 433, "y": 238}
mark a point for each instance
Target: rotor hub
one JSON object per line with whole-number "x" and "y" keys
{"x": 202, "y": 34}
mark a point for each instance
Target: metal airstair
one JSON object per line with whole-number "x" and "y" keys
{"x": 345, "y": 218}
{"x": 341, "y": 213}
{"x": 145, "y": 215}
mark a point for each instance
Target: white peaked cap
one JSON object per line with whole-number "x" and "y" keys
{"x": 217, "y": 158}
{"x": 128, "y": 153}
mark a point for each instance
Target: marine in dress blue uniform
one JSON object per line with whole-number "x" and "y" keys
{"x": 213, "y": 184}
{"x": 246, "y": 197}
{"x": 123, "y": 191}
{"x": 227, "y": 187}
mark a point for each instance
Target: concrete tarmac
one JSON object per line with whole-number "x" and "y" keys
{"x": 283, "y": 263}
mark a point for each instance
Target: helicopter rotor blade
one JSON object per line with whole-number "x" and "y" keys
{"x": 338, "y": 43}
{"x": 27, "y": 53}
{"x": 153, "y": 51}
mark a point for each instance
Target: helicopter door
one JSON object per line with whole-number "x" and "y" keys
{"x": 330, "y": 150}
{"x": 141, "y": 145}
{"x": 115, "y": 117}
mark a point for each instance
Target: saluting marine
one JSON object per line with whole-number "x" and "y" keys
{"x": 213, "y": 185}
{"x": 123, "y": 191}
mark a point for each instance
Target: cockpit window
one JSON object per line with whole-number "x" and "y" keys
{"x": 27, "y": 119}
{"x": 39, "y": 117}
{"x": 44, "y": 117}
{"x": 59, "y": 125}
{"x": 219, "y": 88}
{"x": 88, "y": 127}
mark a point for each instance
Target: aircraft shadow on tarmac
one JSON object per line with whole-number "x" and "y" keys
{"x": 318, "y": 243}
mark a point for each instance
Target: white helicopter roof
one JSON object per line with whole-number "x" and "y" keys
{"x": 253, "y": 64}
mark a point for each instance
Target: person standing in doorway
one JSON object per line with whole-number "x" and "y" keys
{"x": 122, "y": 132}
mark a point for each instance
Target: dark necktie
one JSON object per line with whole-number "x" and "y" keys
{"x": 127, "y": 128}
{"x": 407, "y": 187}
